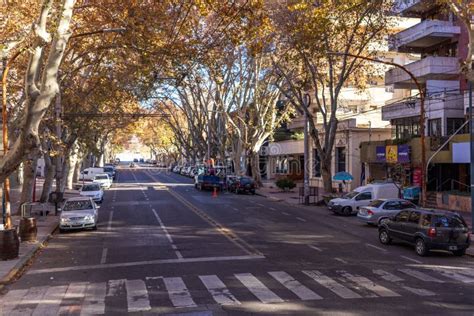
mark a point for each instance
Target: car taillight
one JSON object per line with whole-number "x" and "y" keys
{"x": 432, "y": 232}
{"x": 369, "y": 212}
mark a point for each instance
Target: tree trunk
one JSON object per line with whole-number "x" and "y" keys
{"x": 29, "y": 178}
{"x": 255, "y": 167}
{"x": 77, "y": 171}
{"x": 49, "y": 172}
{"x": 20, "y": 174}
{"x": 70, "y": 169}
{"x": 326, "y": 175}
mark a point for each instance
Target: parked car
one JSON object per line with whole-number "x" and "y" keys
{"x": 242, "y": 185}
{"x": 78, "y": 213}
{"x": 110, "y": 170}
{"x": 427, "y": 230}
{"x": 92, "y": 190}
{"x": 379, "y": 210}
{"x": 142, "y": 160}
{"x": 135, "y": 160}
{"x": 103, "y": 180}
{"x": 363, "y": 196}
{"x": 90, "y": 173}
{"x": 132, "y": 165}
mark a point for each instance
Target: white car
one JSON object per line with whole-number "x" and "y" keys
{"x": 103, "y": 179}
{"x": 78, "y": 213}
{"x": 92, "y": 190}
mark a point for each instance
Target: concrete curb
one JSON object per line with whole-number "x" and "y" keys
{"x": 26, "y": 258}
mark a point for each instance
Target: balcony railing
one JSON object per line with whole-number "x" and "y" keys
{"x": 422, "y": 35}
{"x": 432, "y": 67}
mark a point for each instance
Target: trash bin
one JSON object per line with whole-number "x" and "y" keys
{"x": 9, "y": 244}
{"x": 28, "y": 229}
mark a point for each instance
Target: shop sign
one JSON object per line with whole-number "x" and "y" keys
{"x": 417, "y": 180}
{"x": 403, "y": 153}
{"x": 461, "y": 153}
{"x": 391, "y": 154}
{"x": 380, "y": 153}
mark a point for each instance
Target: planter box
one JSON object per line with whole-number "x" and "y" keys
{"x": 452, "y": 202}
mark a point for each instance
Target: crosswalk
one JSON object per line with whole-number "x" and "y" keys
{"x": 271, "y": 287}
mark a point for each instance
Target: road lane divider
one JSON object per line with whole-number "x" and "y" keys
{"x": 226, "y": 232}
{"x": 168, "y": 236}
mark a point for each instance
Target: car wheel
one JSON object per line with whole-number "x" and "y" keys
{"x": 384, "y": 237}
{"x": 420, "y": 247}
{"x": 459, "y": 253}
{"x": 347, "y": 210}
{"x": 382, "y": 220}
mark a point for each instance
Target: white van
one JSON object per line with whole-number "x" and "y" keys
{"x": 90, "y": 173}
{"x": 362, "y": 196}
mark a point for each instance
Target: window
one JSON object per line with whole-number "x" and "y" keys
{"x": 414, "y": 217}
{"x": 434, "y": 127}
{"x": 406, "y": 204}
{"x": 376, "y": 203}
{"x": 364, "y": 196}
{"x": 426, "y": 220}
{"x": 392, "y": 205}
{"x": 402, "y": 216}
{"x": 445, "y": 221}
{"x": 316, "y": 164}
{"x": 340, "y": 159}
{"x": 407, "y": 127}
{"x": 452, "y": 125}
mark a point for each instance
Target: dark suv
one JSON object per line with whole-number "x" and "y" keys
{"x": 242, "y": 184}
{"x": 427, "y": 230}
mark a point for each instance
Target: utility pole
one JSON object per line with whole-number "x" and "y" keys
{"x": 471, "y": 132}
{"x": 307, "y": 103}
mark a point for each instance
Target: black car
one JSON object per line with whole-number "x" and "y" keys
{"x": 427, "y": 230}
{"x": 242, "y": 185}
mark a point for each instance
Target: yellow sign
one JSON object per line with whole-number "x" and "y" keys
{"x": 391, "y": 154}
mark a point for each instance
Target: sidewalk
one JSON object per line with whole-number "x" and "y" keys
{"x": 291, "y": 198}
{"x": 46, "y": 226}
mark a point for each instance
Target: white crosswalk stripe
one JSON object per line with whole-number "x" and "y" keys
{"x": 331, "y": 284}
{"x": 296, "y": 287}
{"x": 264, "y": 294}
{"x": 420, "y": 275}
{"x": 369, "y": 285}
{"x": 76, "y": 292}
{"x": 94, "y": 300}
{"x": 387, "y": 276}
{"x": 31, "y": 298}
{"x": 456, "y": 276}
{"x": 137, "y": 296}
{"x": 10, "y": 300}
{"x": 218, "y": 290}
{"x": 178, "y": 292}
{"x": 50, "y": 305}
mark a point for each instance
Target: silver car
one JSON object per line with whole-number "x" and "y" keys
{"x": 78, "y": 213}
{"x": 381, "y": 209}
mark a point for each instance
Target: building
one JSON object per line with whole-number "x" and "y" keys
{"x": 438, "y": 42}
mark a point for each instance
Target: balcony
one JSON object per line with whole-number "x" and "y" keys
{"x": 413, "y": 8}
{"x": 423, "y": 35}
{"x": 429, "y": 68}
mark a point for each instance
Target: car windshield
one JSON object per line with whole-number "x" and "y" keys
{"x": 350, "y": 195}
{"x": 101, "y": 177}
{"x": 109, "y": 169}
{"x": 90, "y": 187}
{"x": 77, "y": 205}
{"x": 376, "y": 203}
{"x": 448, "y": 221}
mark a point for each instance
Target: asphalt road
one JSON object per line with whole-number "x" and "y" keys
{"x": 163, "y": 247}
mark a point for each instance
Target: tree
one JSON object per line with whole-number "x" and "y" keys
{"x": 306, "y": 36}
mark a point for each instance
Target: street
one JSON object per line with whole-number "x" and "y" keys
{"x": 163, "y": 247}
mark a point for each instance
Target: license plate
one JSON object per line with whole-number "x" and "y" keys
{"x": 453, "y": 247}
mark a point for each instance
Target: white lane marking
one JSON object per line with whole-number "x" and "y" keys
{"x": 10, "y": 300}
{"x": 285, "y": 213}
{"x": 315, "y": 248}
{"x": 419, "y": 292}
{"x": 456, "y": 276}
{"x": 264, "y": 294}
{"x": 168, "y": 236}
{"x": 34, "y": 296}
{"x": 260, "y": 205}
{"x": 341, "y": 260}
{"x": 75, "y": 291}
{"x": 387, "y": 276}
{"x": 50, "y": 305}
{"x": 178, "y": 292}
{"x": 94, "y": 301}
{"x": 236, "y": 209}
{"x": 272, "y": 209}
{"x": 369, "y": 285}
{"x": 332, "y": 285}
{"x": 220, "y": 293}
{"x": 303, "y": 292}
{"x": 104, "y": 256}
{"x": 149, "y": 262}
{"x": 375, "y": 247}
{"x": 109, "y": 224}
{"x": 420, "y": 275}
{"x": 412, "y": 260}
{"x": 301, "y": 219}
{"x": 137, "y": 296}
